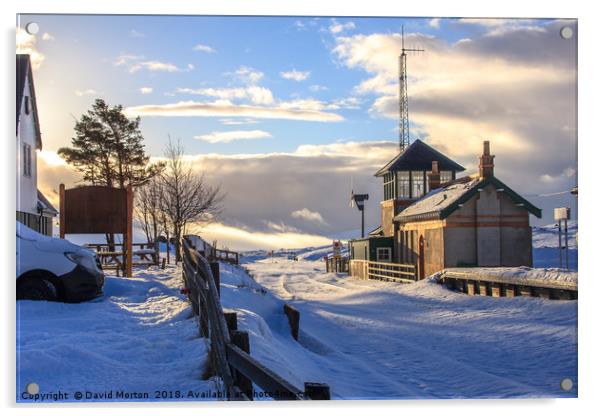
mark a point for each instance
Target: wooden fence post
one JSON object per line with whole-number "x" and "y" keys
{"x": 128, "y": 232}
{"x": 62, "y": 210}
{"x": 293, "y": 316}
{"x": 215, "y": 271}
{"x": 317, "y": 391}
{"x": 231, "y": 320}
{"x": 241, "y": 340}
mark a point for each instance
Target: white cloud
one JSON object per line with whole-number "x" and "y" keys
{"x": 262, "y": 190}
{"x": 135, "y": 63}
{"x": 307, "y": 215}
{"x": 336, "y": 27}
{"x": 47, "y": 36}
{"x": 235, "y": 122}
{"x": 203, "y": 48}
{"x": 229, "y": 136}
{"x": 317, "y": 88}
{"x": 81, "y": 93}
{"x": 499, "y": 27}
{"x": 135, "y": 34}
{"x": 224, "y": 108}
{"x": 435, "y": 22}
{"x": 145, "y": 90}
{"x": 257, "y": 95}
{"x": 26, "y": 44}
{"x": 295, "y": 75}
{"x": 247, "y": 75}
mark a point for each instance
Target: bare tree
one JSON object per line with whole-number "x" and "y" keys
{"x": 148, "y": 208}
{"x": 186, "y": 196}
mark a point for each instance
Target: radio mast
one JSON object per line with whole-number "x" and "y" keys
{"x": 404, "y": 122}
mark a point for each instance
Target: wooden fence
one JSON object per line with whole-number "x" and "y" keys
{"x": 212, "y": 253}
{"x": 111, "y": 256}
{"x": 229, "y": 348}
{"x": 390, "y": 272}
{"x": 337, "y": 264}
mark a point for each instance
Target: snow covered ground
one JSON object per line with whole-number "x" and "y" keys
{"x": 375, "y": 340}
{"x": 366, "y": 339}
{"x": 139, "y": 337}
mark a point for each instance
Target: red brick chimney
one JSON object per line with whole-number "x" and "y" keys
{"x": 486, "y": 162}
{"x": 434, "y": 176}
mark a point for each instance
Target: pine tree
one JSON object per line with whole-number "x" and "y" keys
{"x": 108, "y": 148}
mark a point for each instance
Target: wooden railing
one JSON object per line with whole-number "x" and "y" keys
{"x": 392, "y": 272}
{"x": 337, "y": 264}
{"x": 212, "y": 253}
{"x": 230, "y": 348}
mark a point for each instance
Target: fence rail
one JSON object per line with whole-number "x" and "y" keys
{"x": 337, "y": 264}
{"x": 212, "y": 253}
{"x": 229, "y": 348}
{"x": 392, "y": 272}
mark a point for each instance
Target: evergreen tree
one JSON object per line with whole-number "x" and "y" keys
{"x": 108, "y": 148}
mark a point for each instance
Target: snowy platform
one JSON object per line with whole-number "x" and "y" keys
{"x": 525, "y": 276}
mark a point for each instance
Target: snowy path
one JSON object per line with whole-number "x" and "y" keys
{"x": 137, "y": 338}
{"x": 371, "y": 339}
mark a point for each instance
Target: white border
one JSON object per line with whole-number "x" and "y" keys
{"x": 589, "y": 164}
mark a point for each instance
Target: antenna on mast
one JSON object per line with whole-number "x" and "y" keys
{"x": 404, "y": 121}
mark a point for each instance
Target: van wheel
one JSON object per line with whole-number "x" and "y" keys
{"x": 37, "y": 289}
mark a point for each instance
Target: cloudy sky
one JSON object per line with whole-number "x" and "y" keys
{"x": 286, "y": 113}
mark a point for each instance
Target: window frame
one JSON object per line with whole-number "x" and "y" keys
{"x": 420, "y": 174}
{"x": 389, "y": 254}
{"x": 403, "y": 177}
{"x": 27, "y": 169}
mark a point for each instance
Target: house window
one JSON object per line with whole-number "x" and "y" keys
{"x": 389, "y": 182}
{"x": 403, "y": 185}
{"x": 26, "y": 159}
{"x": 417, "y": 184}
{"x": 383, "y": 254}
{"x": 26, "y": 104}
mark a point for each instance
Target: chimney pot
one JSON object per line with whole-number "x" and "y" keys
{"x": 486, "y": 161}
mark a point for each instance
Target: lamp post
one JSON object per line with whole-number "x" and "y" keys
{"x": 359, "y": 201}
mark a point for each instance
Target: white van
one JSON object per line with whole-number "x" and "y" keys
{"x": 55, "y": 269}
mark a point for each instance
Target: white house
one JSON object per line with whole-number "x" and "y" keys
{"x": 33, "y": 209}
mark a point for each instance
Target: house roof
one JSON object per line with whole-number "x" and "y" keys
{"x": 442, "y": 202}
{"x": 419, "y": 156}
{"x": 45, "y": 206}
{"x": 23, "y": 73}
{"x": 378, "y": 231}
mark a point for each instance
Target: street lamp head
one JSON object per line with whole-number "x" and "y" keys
{"x": 359, "y": 200}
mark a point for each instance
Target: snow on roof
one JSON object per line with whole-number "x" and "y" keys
{"x": 439, "y": 199}
{"x": 45, "y": 205}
